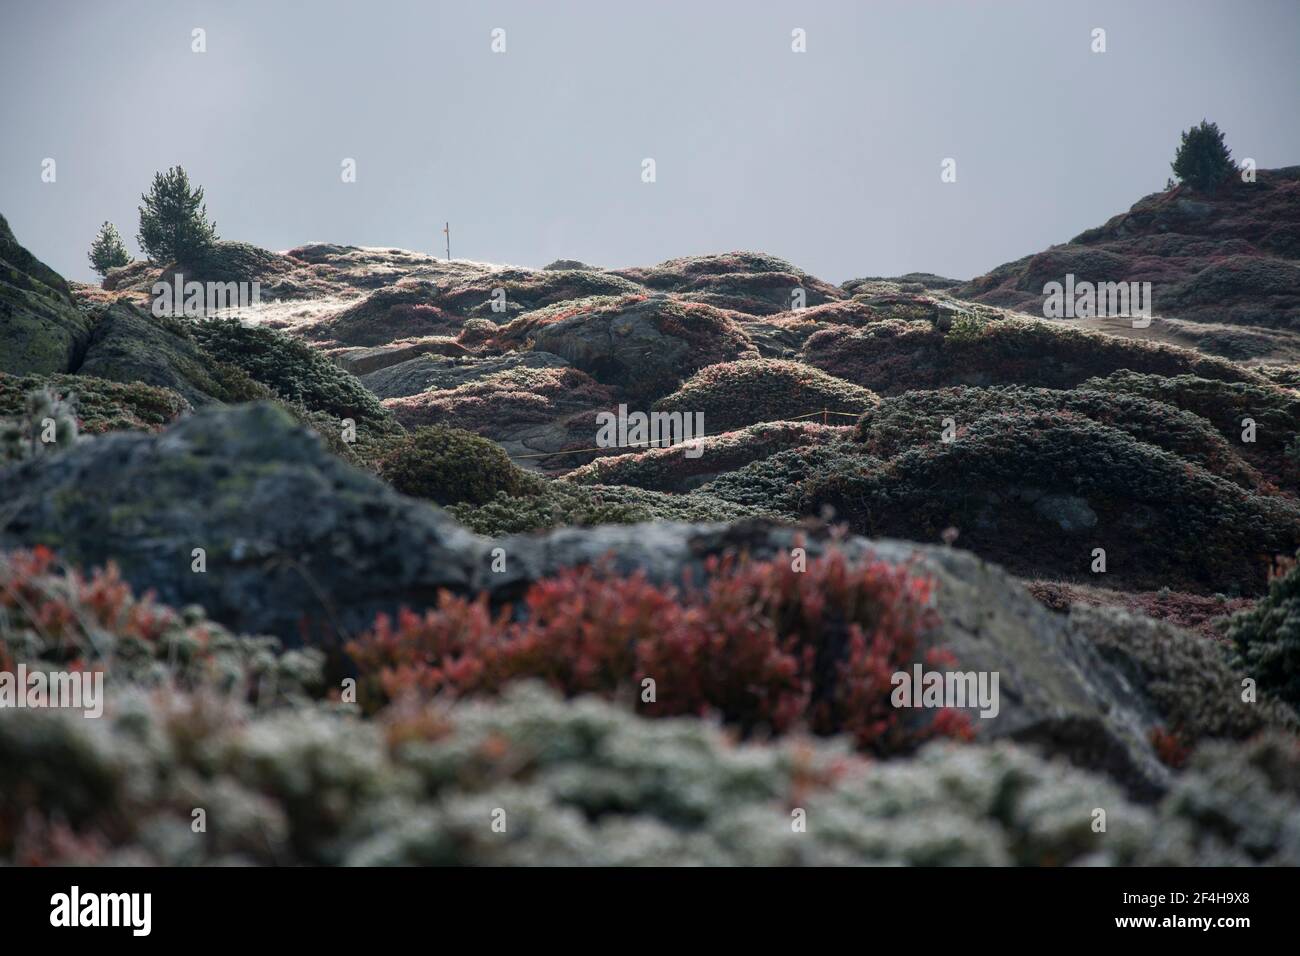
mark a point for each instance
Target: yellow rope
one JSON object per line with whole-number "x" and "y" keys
{"x": 579, "y": 451}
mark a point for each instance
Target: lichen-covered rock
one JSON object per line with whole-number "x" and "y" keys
{"x": 440, "y": 373}
{"x": 295, "y": 542}
{"x": 41, "y": 329}
{"x": 361, "y": 360}
{"x": 130, "y": 345}
{"x": 1187, "y": 678}
{"x": 642, "y": 345}
{"x": 534, "y": 409}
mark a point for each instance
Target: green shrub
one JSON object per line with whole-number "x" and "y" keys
{"x": 1266, "y": 638}
{"x": 294, "y": 371}
{"x": 449, "y": 466}
{"x": 777, "y": 481}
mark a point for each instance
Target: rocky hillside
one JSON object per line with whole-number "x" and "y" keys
{"x": 1224, "y": 268}
{"x": 370, "y": 534}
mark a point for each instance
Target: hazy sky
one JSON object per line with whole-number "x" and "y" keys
{"x": 829, "y": 158}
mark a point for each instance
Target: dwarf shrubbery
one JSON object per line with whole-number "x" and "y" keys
{"x": 894, "y": 357}
{"x": 917, "y": 418}
{"x": 776, "y": 481}
{"x": 559, "y": 504}
{"x": 1274, "y": 410}
{"x": 760, "y": 642}
{"x": 294, "y": 371}
{"x": 100, "y": 406}
{"x": 1266, "y": 638}
{"x": 517, "y": 396}
{"x": 59, "y": 618}
{"x": 286, "y": 780}
{"x": 642, "y": 345}
{"x": 1039, "y": 492}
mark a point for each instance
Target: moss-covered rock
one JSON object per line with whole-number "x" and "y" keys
{"x": 295, "y": 542}
{"x": 41, "y": 329}
{"x": 130, "y": 345}
{"x": 732, "y": 395}
{"x": 670, "y": 469}
{"x": 642, "y": 345}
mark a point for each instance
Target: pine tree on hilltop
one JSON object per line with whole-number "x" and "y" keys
{"x": 1203, "y": 160}
{"x": 108, "y": 251}
{"x": 174, "y": 224}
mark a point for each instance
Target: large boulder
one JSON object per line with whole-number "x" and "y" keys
{"x": 130, "y": 345}
{"x": 296, "y": 543}
{"x": 1057, "y": 687}
{"x": 435, "y": 372}
{"x": 41, "y": 329}
{"x": 642, "y": 345}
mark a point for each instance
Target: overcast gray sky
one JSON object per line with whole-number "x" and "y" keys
{"x": 829, "y": 158}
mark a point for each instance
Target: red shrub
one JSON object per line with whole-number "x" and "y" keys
{"x": 1170, "y": 747}
{"x": 765, "y": 646}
